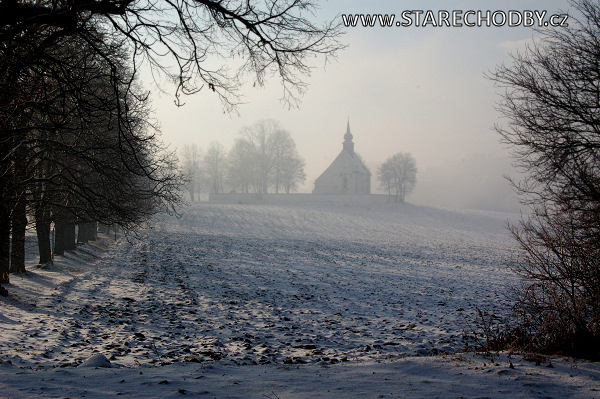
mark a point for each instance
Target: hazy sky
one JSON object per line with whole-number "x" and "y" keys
{"x": 405, "y": 89}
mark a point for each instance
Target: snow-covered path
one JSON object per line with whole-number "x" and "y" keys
{"x": 264, "y": 286}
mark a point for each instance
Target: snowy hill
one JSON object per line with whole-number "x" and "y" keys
{"x": 272, "y": 301}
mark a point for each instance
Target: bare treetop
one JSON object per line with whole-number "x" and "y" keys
{"x": 191, "y": 41}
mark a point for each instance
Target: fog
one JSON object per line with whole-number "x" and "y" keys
{"x": 421, "y": 90}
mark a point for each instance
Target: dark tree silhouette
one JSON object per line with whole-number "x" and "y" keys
{"x": 552, "y": 103}
{"x": 86, "y": 148}
{"x": 250, "y": 40}
{"x": 177, "y": 38}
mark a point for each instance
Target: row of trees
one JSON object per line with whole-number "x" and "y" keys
{"x": 264, "y": 157}
{"x": 76, "y": 145}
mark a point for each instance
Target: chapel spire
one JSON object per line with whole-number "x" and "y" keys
{"x": 348, "y": 144}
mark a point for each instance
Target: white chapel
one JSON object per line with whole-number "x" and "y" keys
{"x": 347, "y": 174}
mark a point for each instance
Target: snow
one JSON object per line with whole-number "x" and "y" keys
{"x": 277, "y": 301}
{"x": 98, "y": 360}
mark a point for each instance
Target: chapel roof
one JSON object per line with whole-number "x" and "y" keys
{"x": 348, "y": 136}
{"x": 346, "y": 159}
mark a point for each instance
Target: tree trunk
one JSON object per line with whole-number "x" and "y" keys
{"x": 4, "y": 244}
{"x": 70, "y": 242}
{"x": 87, "y": 232}
{"x": 192, "y": 191}
{"x": 19, "y": 216}
{"x": 82, "y": 234}
{"x": 19, "y": 225}
{"x": 403, "y": 191}
{"x": 264, "y": 186}
{"x": 42, "y": 228}
{"x": 64, "y": 236}
{"x": 93, "y": 231}
{"x": 59, "y": 237}
{"x": 102, "y": 228}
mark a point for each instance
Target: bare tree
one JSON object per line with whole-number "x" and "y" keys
{"x": 259, "y": 138}
{"x": 385, "y": 175}
{"x": 266, "y": 156}
{"x": 191, "y": 156}
{"x": 241, "y": 163}
{"x": 550, "y": 99}
{"x": 292, "y": 172}
{"x": 178, "y": 38}
{"x": 398, "y": 175}
{"x": 287, "y": 165}
{"x": 215, "y": 160}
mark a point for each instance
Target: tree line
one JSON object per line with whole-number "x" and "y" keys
{"x": 263, "y": 159}
{"x": 77, "y": 144}
{"x": 77, "y": 147}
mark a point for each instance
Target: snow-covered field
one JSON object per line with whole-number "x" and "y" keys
{"x": 302, "y": 300}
